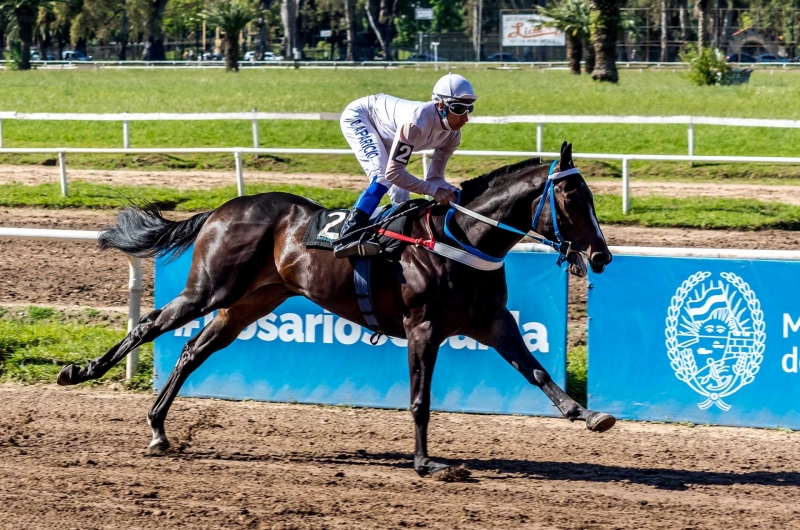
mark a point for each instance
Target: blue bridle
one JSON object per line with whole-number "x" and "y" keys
{"x": 548, "y": 195}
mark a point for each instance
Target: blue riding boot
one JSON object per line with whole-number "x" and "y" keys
{"x": 358, "y": 218}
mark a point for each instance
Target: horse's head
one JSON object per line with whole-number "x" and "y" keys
{"x": 575, "y": 217}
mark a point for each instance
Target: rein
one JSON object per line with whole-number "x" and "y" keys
{"x": 548, "y": 195}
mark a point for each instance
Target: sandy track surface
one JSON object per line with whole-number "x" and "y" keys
{"x": 761, "y": 192}
{"x": 31, "y": 175}
{"x": 78, "y": 459}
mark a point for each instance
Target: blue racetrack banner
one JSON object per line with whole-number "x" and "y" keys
{"x": 701, "y": 340}
{"x": 301, "y": 353}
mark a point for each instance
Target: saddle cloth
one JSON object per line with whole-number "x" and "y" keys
{"x": 326, "y": 225}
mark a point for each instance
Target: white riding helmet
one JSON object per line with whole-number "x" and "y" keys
{"x": 453, "y": 87}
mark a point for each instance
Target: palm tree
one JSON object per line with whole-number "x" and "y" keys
{"x": 23, "y": 15}
{"x": 231, "y": 18}
{"x": 571, "y": 17}
{"x": 605, "y": 25}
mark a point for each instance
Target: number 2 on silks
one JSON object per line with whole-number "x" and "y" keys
{"x": 402, "y": 153}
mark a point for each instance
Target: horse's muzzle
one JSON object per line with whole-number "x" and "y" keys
{"x": 599, "y": 260}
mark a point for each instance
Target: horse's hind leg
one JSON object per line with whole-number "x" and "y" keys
{"x": 503, "y": 335}
{"x": 218, "y": 334}
{"x": 183, "y": 309}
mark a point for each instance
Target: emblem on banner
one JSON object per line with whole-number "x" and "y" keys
{"x": 715, "y": 335}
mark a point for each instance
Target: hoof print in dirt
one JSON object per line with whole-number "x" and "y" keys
{"x": 452, "y": 474}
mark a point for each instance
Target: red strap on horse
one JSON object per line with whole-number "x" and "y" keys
{"x": 427, "y": 243}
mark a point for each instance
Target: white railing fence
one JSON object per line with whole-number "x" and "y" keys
{"x": 540, "y": 120}
{"x": 134, "y": 274}
{"x": 237, "y": 153}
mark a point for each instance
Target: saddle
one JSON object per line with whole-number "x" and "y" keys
{"x": 326, "y": 225}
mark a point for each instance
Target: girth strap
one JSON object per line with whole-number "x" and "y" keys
{"x": 362, "y": 267}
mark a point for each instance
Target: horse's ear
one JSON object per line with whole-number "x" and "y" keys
{"x": 566, "y": 157}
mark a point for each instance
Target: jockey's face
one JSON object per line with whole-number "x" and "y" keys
{"x": 455, "y": 121}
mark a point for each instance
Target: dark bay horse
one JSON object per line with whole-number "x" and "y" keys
{"x": 249, "y": 257}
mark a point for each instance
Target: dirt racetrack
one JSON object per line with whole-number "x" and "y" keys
{"x": 78, "y": 459}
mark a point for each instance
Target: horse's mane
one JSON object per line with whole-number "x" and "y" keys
{"x": 474, "y": 187}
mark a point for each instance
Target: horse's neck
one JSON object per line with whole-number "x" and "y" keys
{"x": 513, "y": 206}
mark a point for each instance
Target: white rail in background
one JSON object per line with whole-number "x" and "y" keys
{"x": 134, "y": 274}
{"x": 718, "y": 253}
{"x": 237, "y": 152}
{"x": 539, "y": 119}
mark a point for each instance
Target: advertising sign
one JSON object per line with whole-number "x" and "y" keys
{"x": 305, "y": 354}
{"x": 423, "y": 13}
{"x": 527, "y": 30}
{"x": 700, "y": 340}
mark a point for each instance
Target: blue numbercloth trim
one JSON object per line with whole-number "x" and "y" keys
{"x": 371, "y": 198}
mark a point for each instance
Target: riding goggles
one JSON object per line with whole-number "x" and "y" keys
{"x": 459, "y": 108}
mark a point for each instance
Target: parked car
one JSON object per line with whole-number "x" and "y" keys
{"x": 71, "y": 55}
{"x": 741, "y": 58}
{"x": 502, "y": 57}
{"x": 208, "y": 56}
{"x": 36, "y": 57}
{"x": 268, "y": 56}
{"x": 424, "y": 57}
{"x": 770, "y": 58}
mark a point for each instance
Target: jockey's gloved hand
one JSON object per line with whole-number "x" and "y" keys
{"x": 444, "y": 196}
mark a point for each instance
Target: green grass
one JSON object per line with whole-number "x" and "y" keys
{"x": 701, "y": 212}
{"x": 577, "y": 373}
{"x": 35, "y": 343}
{"x": 501, "y": 93}
{"x": 707, "y": 213}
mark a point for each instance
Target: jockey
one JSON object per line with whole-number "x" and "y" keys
{"x": 384, "y": 130}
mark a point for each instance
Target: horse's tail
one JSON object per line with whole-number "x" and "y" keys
{"x": 142, "y": 231}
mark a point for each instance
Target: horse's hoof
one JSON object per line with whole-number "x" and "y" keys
{"x": 451, "y": 474}
{"x": 159, "y": 446}
{"x": 68, "y": 375}
{"x": 600, "y": 422}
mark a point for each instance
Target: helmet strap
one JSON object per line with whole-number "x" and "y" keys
{"x": 443, "y": 115}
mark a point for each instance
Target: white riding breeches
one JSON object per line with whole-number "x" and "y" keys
{"x": 368, "y": 147}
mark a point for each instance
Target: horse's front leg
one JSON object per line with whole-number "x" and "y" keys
{"x": 424, "y": 337}
{"x": 503, "y": 335}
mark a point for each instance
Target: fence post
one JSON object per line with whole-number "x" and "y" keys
{"x": 134, "y": 307}
{"x": 424, "y": 165}
{"x": 237, "y": 156}
{"x": 539, "y": 137}
{"x": 1, "y": 134}
{"x": 690, "y": 133}
{"x": 626, "y": 186}
{"x": 126, "y": 133}
{"x": 62, "y": 171}
{"x": 255, "y": 130}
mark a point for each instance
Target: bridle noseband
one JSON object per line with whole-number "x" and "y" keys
{"x": 561, "y": 246}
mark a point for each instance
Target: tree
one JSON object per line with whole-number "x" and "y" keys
{"x": 383, "y": 24}
{"x": 571, "y": 17}
{"x": 350, "y": 23}
{"x": 701, "y": 10}
{"x": 605, "y": 22}
{"x": 23, "y": 15}
{"x": 231, "y": 18}
{"x": 154, "y": 31}
{"x": 263, "y": 28}
{"x": 289, "y": 10}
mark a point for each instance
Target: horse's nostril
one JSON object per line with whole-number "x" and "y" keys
{"x": 600, "y": 258}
